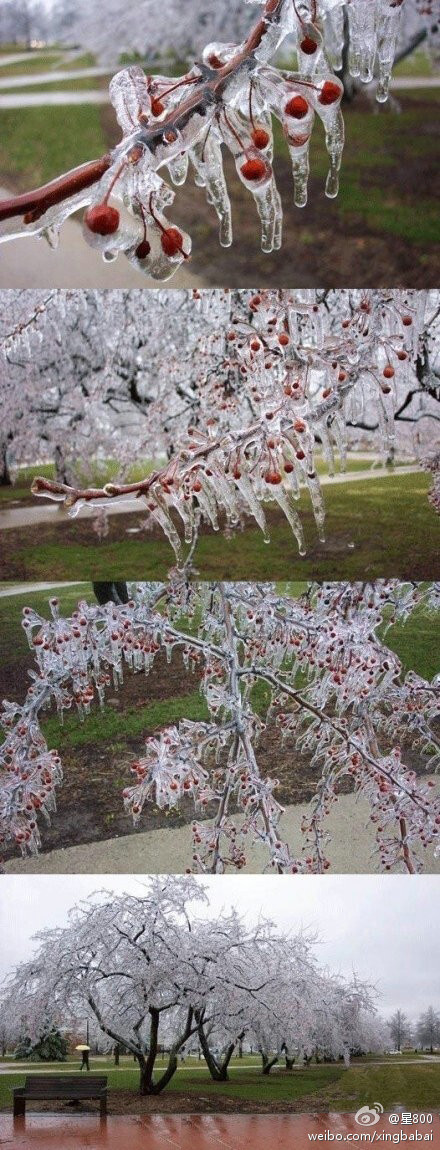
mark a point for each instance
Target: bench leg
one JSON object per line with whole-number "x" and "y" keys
{"x": 19, "y": 1107}
{"x": 103, "y": 1109}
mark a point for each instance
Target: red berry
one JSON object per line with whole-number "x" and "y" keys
{"x": 253, "y": 169}
{"x": 297, "y": 107}
{"x": 157, "y": 107}
{"x": 171, "y": 240}
{"x": 260, "y": 138}
{"x": 330, "y": 93}
{"x": 143, "y": 250}
{"x": 308, "y": 46}
{"x": 283, "y": 339}
{"x": 388, "y": 371}
{"x": 103, "y": 220}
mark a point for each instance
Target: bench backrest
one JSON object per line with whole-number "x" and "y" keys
{"x": 49, "y": 1085}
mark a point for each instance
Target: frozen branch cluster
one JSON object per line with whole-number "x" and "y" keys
{"x": 336, "y": 691}
{"x": 243, "y": 394}
{"x": 229, "y": 98}
{"x": 158, "y": 971}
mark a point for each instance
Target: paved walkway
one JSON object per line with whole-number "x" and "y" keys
{"x": 51, "y": 512}
{"x": 98, "y": 96}
{"x": 54, "y": 77}
{"x": 50, "y": 99}
{"x": 193, "y": 1131}
{"x": 26, "y": 588}
{"x": 167, "y": 851}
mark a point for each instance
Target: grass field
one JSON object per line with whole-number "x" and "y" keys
{"x": 325, "y": 1087}
{"x": 375, "y": 528}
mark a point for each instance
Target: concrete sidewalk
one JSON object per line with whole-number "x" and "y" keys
{"x": 169, "y": 851}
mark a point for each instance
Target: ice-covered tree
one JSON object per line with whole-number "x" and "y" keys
{"x": 154, "y": 970}
{"x": 337, "y": 692}
{"x": 229, "y": 98}
{"x": 400, "y": 1029}
{"x": 428, "y": 1029}
{"x": 240, "y": 393}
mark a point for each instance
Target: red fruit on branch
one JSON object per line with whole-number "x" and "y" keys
{"x": 171, "y": 241}
{"x": 308, "y": 46}
{"x": 388, "y": 371}
{"x": 260, "y": 138}
{"x": 330, "y": 93}
{"x": 102, "y": 219}
{"x": 143, "y": 250}
{"x": 253, "y": 169}
{"x": 297, "y": 107}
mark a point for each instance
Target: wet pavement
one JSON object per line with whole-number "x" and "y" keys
{"x": 210, "y": 1132}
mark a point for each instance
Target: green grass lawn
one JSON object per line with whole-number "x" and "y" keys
{"x": 278, "y": 1087}
{"x": 379, "y": 144}
{"x": 375, "y": 528}
{"x": 415, "y": 1087}
{"x": 332, "y": 1087}
{"x": 36, "y": 144}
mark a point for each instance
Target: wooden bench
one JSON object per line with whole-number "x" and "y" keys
{"x": 61, "y": 1087}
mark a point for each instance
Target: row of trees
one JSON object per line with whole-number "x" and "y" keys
{"x": 156, "y": 971}
{"x": 152, "y": 34}
{"x": 228, "y": 99}
{"x": 240, "y": 394}
{"x": 424, "y": 1033}
{"x": 334, "y": 688}
{"x": 24, "y": 22}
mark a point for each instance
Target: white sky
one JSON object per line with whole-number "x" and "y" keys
{"x": 386, "y": 927}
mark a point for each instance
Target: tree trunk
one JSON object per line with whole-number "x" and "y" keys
{"x": 289, "y": 1062}
{"x": 268, "y": 1063}
{"x": 5, "y": 474}
{"x": 116, "y": 1053}
{"x": 110, "y": 593}
{"x": 218, "y": 1070}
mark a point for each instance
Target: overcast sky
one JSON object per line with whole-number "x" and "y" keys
{"x": 385, "y": 927}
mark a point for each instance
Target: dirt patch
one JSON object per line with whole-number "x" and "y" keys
{"x": 180, "y": 1102}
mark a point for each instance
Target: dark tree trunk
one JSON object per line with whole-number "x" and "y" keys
{"x": 5, "y": 474}
{"x": 289, "y": 1062}
{"x": 110, "y": 593}
{"x": 217, "y": 1069}
{"x": 268, "y": 1063}
{"x": 116, "y": 1053}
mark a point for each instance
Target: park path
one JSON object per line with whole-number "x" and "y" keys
{"x": 100, "y": 96}
{"x": 149, "y": 852}
{"x": 19, "y": 1067}
{"x": 25, "y": 588}
{"x": 54, "y": 77}
{"x": 30, "y": 516}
